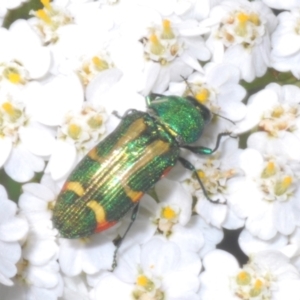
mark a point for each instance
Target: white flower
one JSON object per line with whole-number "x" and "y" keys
{"x": 240, "y": 36}
{"x": 159, "y": 270}
{"x": 175, "y": 206}
{"x": 293, "y": 249}
{"x": 190, "y": 9}
{"x": 74, "y": 32}
{"x": 36, "y": 204}
{"x": 23, "y": 140}
{"x": 251, "y": 244}
{"x": 269, "y": 197}
{"x": 169, "y": 48}
{"x": 268, "y": 275}
{"x": 275, "y": 110}
{"x": 38, "y": 271}
{"x": 35, "y": 281}
{"x": 76, "y": 288}
{"x": 282, "y": 4}
{"x": 285, "y": 42}
{"x": 216, "y": 172}
{"x": 49, "y": 19}
{"x": 174, "y": 220}
{"x": 23, "y": 58}
{"x": 78, "y": 133}
{"x": 143, "y": 228}
{"x": 12, "y": 229}
{"x": 88, "y": 255}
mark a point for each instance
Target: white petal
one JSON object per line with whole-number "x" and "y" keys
{"x": 251, "y": 244}
{"x": 159, "y": 256}
{"x": 69, "y": 257}
{"x": 172, "y": 192}
{"x": 284, "y": 217}
{"x": 13, "y": 229}
{"x": 251, "y": 162}
{"x": 21, "y": 164}
{"x": 111, "y": 288}
{"x": 8, "y": 209}
{"x": 39, "y": 251}
{"x": 41, "y": 277}
{"x": 212, "y": 213}
{"x": 261, "y": 222}
{"x": 62, "y": 159}
{"x": 286, "y": 44}
{"x": 35, "y": 58}
{"x": 101, "y": 84}
{"x": 5, "y": 149}
{"x": 37, "y": 140}
{"x": 98, "y": 255}
{"x": 59, "y": 96}
{"x": 10, "y": 254}
{"x": 39, "y": 190}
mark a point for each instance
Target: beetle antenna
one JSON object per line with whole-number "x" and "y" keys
{"x": 191, "y": 91}
{"x": 188, "y": 85}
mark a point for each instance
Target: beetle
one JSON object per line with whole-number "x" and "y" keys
{"x": 114, "y": 175}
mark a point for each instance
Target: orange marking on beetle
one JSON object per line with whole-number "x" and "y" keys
{"x": 135, "y": 196}
{"x": 166, "y": 172}
{"x": 93, "y": 154}
{"x": 104, "y": 225}
{"x": 74, "y": 186}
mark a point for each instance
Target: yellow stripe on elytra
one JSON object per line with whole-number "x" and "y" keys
{"x": 153, "y": 150}
{"x": 111, "y": 164}
{"x": 133, "y": 131}
{"x": 98, "y": 210}
{"x": 75, "y": 187}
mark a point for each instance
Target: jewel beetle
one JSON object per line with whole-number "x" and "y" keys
{"x": 114, "y": 175}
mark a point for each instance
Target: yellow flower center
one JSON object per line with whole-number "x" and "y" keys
{"x": 167, "y": 33}
{"x": 202, "y": 96}
{"x": 201, "y": 174}
{"x": 74, "y": 131}
{"x": 257, "y": 288}
{"x": 243, "y": 278}
{"x": 168, "y": 213}
{"x": 282, "y": 186}
{"x": 156, "y": 47}
{"x": 99, "y": 63}
{"x": 95, "y": 122}
{"x": 269, "y": 170}
{"x": 277, "y": 112}
{"x": 145, "y": 282}
{"x": 41, "y": 14}
{"x": 11, "y": 111}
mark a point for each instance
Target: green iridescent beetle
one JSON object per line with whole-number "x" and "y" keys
{"x": 114, "y": 175}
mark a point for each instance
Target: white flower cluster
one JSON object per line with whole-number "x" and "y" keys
{"x": 62, "y": 74}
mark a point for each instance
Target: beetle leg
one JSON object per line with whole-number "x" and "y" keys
{"x": 205, "y": 150}
{"x": 119, "y": 243}
{"x": 127, "y": 112}
{"x": 152, "y": 97}
{"x": 191, "y": 167}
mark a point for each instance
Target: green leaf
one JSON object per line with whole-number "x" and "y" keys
{"x": 21, "y": 12}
